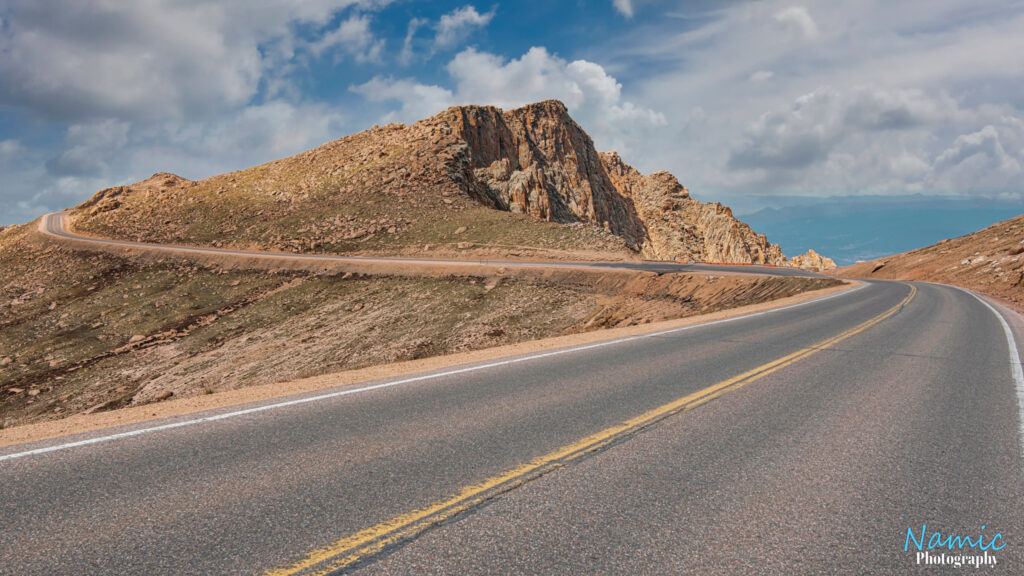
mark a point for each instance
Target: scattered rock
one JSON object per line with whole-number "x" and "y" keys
{"x": 464, "y": 245}
{"x": 811, "y": 261}
{"x": 460, "y": 230}
{"x": 6, "y": 361}
{"x": 15, "y": 390}
{"x": 136, "y": 339}
{"x": 163, "y": 395}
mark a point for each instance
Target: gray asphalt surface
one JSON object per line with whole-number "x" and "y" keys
{"x": 818, "y": 468}
{"x": 54, "y": 226}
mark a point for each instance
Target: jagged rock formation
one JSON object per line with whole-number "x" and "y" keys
{"x": 537, "y": 160}
{"x": 681, "y": 228}
{"x": 400, "y": 189}
{"x": 812, "y": 261}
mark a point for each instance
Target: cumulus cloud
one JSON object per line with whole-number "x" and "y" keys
{"x": 88, "y": 148}
{"x": 9, "y": 148}
{"x": 453, "y": 27}
{"x": 815, "y": 123}
{"x": 903, "y": 82}
{"x": 416, "y": 100}
{"x": 79, "y": 60}
{"x": 878, "y": 139}
{"x": 624, "y": 7}
{"x": 797, "y": 21}
{"x": 408, "y": 53}
{"x": 979, "y": 160}
{"x": 592, "y": 95}
{"x": 269, "y": 131}
{"x": 352, "y": 37}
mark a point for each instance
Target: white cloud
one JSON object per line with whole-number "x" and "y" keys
{"x": 272, "y": 130}
{"x": 353, "y": 37}
{"x": 625, "y": 7}
{"x": 410, "y": 34}
{"x": 592, "y": 95}
{"x": 416, "y": 100}
{"x": 902, "y": 82}
{"x": 979, "y": 160}
{"x": 150, "y": 59}
{"x": 89, "y": 148}
{"x": 453, "y": 27}
{"x": 9, "y": 147}
{"x": 809, "y": 129}
{"x": 877, "y": 139}
{"x": 797, "y": 20}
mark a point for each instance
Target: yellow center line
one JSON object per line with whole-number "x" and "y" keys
{"x": 352, "y": 548}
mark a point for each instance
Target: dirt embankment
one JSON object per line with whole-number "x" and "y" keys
{"x": 89, "y": 332}
{"x": 990, "y": 261}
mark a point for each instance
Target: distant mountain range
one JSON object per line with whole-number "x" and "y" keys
{"x": 852, "y": 228}
{"x": 990, "y": 261}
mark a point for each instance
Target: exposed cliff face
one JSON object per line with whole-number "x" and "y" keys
{"x": 537, "y": 160}
{"x": 682, "y": 228}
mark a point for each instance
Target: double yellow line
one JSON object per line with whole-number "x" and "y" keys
{"x": 365, "y": 543}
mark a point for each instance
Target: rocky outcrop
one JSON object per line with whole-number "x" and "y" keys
{"x": 537, "y": 160}
{"x": 682, "y": 228}
{"x": 110, "y": 198}
{"x": 812, "y": 261}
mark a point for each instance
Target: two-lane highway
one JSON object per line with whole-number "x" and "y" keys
{"x": 806, "y": 440}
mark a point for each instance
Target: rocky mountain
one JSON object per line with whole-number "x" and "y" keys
{"x": 989, "y": 261}
{"x": 472, "y": 178}
{"x": 681, "y": 228}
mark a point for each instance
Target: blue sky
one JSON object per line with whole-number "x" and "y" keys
{"x": 741, "y": 100}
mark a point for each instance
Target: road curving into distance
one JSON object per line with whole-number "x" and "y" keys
{"x": 804, "y": 440}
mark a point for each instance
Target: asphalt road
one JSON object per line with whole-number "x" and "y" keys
{"x": 53, "y": 225}
{"x": 802, "y": 441}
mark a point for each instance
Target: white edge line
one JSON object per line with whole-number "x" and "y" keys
{"x": 319, "y": 397}
{"x": 1015, "y": 366}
